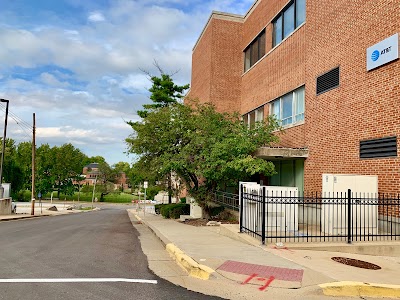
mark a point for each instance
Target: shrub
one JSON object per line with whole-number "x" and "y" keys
{"x": 174, "y": 210}
{"x": 183, "y": 200}
{"x": 152, "y": 191}
{"x": 158, "y": 207}
{"x": 23, "y": 196}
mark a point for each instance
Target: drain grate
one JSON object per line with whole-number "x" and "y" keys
{"x": 356, "y": 263}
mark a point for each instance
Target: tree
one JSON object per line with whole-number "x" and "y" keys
{"x": 164, "y": 92}
{"x": 207, "y": 149}
{"x": 13, "y": 172}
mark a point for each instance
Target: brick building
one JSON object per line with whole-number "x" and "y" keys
{"x": 328, "y": 69}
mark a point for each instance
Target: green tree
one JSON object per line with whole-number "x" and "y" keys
{"x": 207, "y": 149}
{"x": 24, "y": 160}
{"x": 164, "y": 92}
{"x": 12, "y": 170}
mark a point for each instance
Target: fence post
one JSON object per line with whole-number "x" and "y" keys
{"x": 241, "y": 208}
{"x": 263, "y": 217}
{"x": 349, "y": 220}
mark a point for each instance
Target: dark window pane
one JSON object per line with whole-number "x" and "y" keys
{"x": 288, "y": 21}
{"x": 247, "y": 62}
{"x": 261, "y": 42}
{"x": 278, "y": 31}
{"x": 300, "y": 12}
{"x": 287, "y": 112}
{"x": 254, "y": 52}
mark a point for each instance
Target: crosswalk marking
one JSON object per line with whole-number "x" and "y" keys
{"x": 69, "y": 280}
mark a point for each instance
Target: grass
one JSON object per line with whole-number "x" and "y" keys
{"x": 85, "y": 208}
{"x": 87, "y": 197}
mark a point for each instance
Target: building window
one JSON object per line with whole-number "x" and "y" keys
{"x": 255, "y": 51}
{"x": 384, "y": 147}
{"x": 289, "y": 108}
{"x": 291, "y": 17}
{"x": 254, "y": 116}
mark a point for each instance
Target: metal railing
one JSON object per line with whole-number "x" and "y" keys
{"x": 228, "y": 200}
{"x": 347, "y": 217}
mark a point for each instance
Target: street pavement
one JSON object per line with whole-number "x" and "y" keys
{"x": 220, "y": 261}
{"x": 232, "y": 265}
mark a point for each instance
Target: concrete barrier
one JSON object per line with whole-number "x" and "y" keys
{"x": 5, "y": 206}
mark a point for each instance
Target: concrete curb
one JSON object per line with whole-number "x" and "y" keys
{"x": 189, "y": 264}
{"x": 193, "y": 268}
{"x": 27, "y": 216}
{"x": 360, "y": 289}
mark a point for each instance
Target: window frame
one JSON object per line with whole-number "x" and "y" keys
{"x": 249, "y": 51}
{"x": 295, "y": 113}
{"x": 258, "y": 116}
{"x": 281, "y": 16}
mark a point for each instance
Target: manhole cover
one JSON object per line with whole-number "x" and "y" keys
{"x": 356, "y": 263}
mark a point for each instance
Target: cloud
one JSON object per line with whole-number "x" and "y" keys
{"x": 78, "y": 65}
{"x": 96, "y": 16}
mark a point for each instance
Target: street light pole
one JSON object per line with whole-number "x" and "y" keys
{"x": 94, "y": 188}
{"x": 3, "y": 149}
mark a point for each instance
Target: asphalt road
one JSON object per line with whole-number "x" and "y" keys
{"x": 81, "y": 247}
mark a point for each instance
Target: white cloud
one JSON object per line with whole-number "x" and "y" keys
{"x": 96, "y": 16}
{"x": 98, "y": 82}
{"x": 66, "y": 132}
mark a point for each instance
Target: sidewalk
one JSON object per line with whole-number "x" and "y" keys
{"x": 41, "y": 209}
{"x": 209, "y": 254}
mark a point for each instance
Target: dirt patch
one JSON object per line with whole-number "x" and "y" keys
{"x": 356, "y": 263}
{"x": 203, "y": 222}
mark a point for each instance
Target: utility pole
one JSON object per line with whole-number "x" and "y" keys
{"x": 33, "y": 164}
{"x": 94, "y": 188}
{"x": 4, "y": 149}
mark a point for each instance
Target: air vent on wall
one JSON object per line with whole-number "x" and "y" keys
{"x": 328, "y": 81}
{"x": 384, "y": 147}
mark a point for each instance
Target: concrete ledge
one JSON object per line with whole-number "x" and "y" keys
{"x": 360, "y": 289}
{"x": 189, "y": 264}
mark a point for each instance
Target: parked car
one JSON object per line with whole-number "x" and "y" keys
{"x": 13, "y": 207}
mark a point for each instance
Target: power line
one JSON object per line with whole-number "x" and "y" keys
{"x": 26, "y": 127}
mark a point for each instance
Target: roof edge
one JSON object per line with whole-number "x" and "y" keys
{"x": 220, "y": 16}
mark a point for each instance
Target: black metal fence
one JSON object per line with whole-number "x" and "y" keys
{"x": 290, "y": 217}
{"x": 227, "y": 200}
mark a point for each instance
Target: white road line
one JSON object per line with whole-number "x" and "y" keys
{"x": 67, "y": 280}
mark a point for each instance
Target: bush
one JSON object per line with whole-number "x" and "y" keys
{"x": 183, "y": 200}
{"x": 158, "y": 207}
{"x": 215, "y": 210}
{"x": 152, "y": 191}
{"x": 23, "y": 196}
{"x": 173, "y": 211}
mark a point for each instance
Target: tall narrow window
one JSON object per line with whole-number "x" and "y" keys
{"x": 291, "y": 17}
{"x": 299, "y": 105}
{"x": 278, "y": 31}
{"x": 300, "y": 12}
{"x": 287, "y": 109}
{"x": 255, "y": 51}
{"x": 288, "y": 21}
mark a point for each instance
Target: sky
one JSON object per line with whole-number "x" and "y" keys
{"x": 78, "y": 65}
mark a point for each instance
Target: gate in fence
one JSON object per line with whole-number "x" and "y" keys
{"x": 288, "y": 215}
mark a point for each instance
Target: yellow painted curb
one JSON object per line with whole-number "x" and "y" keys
{"x": 357, "y": 289}
{"x": 189, "y": 264}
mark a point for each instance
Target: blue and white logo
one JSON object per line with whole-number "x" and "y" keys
{"x": 383, "y": 52}
{"x": 375, "y": 55}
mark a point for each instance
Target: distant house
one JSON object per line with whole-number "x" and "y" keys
{"x": 92, "y": 171}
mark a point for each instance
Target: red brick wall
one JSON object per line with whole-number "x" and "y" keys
{"x": 227, "y": 66}
{"x": 336, "y": 33}
{"x": 217, "y": 65}
{"x": 366, "y": 105}
{"x": 201, "y": 67}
